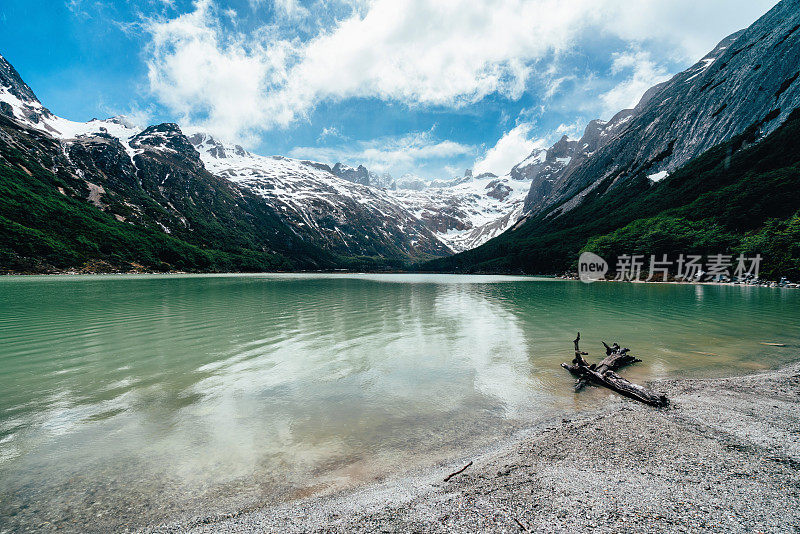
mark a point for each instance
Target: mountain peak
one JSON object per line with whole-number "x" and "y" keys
{"x": 17, "y": 99}
{"x": 13, "y": 83}
{"x": 748, "y": 80}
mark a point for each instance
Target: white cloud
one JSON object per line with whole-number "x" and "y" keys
{"x": 417, "y": 52}
{"x": 291, "y": 9}
{"x": 331, "y": 132}
{"x": 447, "y": 53}
{"x": 392, "y": 153}
{"x": 513, "y": 147}
{"x": 215, "y": 80}
{"x": 573, "y": 130}
{"x": 644, "y": 74}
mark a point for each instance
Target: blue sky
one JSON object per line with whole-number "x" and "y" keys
{"x": 429, "y": 87}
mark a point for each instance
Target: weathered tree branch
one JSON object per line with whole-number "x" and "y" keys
{"x": 603, "y": 374}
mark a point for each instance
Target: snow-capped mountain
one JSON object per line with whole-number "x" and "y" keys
{"x": 349, "y": 211}
{"x": 105, "y": 195}
{"x": 349, "y": 216}
{"x": 750, "y": 79}
{"x": 459, "y": 214}
{"x": 156, "y": 178}
{"x": 466, "y": 212}
{"x": 17, "y": 101}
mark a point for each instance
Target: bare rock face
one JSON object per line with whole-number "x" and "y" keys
{"x": 542, "y": 166}
{"x": 359, "y": 175}
{"x": 750, "y": 78}
{"x": 167, "y": 135}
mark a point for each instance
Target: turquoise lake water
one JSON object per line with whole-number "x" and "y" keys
{"x": 132, "y": 400}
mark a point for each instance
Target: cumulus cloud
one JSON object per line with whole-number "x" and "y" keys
{"x": 572, "y": 130}
{"x": 214, "y": 79}
{"x": 388, "y": 153}
{"x": 644, "y": 74}
{"x": 513, "y": 147}
{"x": 330, "y": 132}
{"x": 448, "y": 53}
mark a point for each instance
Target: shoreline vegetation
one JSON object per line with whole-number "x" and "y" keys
{"x": 722, "y": 457}
{"x": 739, "y": 197}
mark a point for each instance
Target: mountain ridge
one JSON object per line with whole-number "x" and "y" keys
{"x": 163, "y": 180}
{"x": 745, "y": 88}
{"x": 683, "y": 117}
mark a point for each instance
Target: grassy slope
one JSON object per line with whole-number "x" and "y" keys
{"x": 734, "y": 198}
{"x": 46, "y": 224}
{"x": 41, "y": 227}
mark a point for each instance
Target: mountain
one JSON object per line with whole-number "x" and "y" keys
{"x": 467, "y": 211}
{"x": 462, "y": 212}
{"x": 344, "y": 216}
{"x": 110, "y": 196}
{"x": 688, "y": 145}
{"x": 750, "y": 77}
{"x": 359, "y": 216}
{"x": 236, "y": 205}
{"x": 740, "y": 197}
{"x": 361, "y": 175}
{"x": 542, "y": 167}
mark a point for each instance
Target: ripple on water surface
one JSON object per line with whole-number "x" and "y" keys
{"x": 135, "y": 399}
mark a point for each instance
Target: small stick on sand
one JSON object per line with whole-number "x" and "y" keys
{"x": 521, "y": 526}
{"x": 451, "y": 475}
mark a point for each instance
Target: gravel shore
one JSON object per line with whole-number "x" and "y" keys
{"x": 723, "y": 457}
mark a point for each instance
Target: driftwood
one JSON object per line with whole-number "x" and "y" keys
{"x": 451, "y": 475}
{"x": 604, "y": 374}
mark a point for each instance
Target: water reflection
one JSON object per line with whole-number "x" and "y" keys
{"x": 139, "y": 398}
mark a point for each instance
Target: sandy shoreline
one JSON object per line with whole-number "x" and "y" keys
{"x": 724, "y": 457}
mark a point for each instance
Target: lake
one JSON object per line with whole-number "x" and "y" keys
{"x": 132, "y": 400}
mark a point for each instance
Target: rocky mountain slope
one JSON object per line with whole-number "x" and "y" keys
{"x": 154, "y": 181}
{"x": 679, "y": 173}
{"x": 350, "y": 218}
{"x": 750, "y": 77}
{"x": 542, "y": 167}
